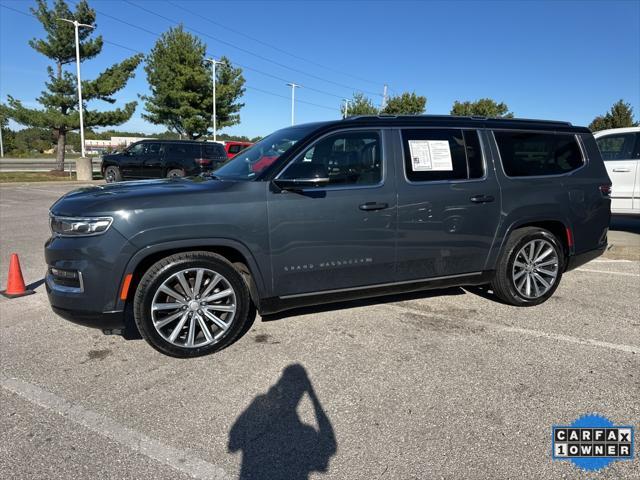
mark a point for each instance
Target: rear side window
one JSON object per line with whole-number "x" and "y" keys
{"x": 185, "y": 150}
{"x": 235, "y": 148}
{"x": 442, "y": 154}
{"x": 529, "y": 154}
{"x": 617, "y": 147}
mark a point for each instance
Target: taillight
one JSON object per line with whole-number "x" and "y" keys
{"x": 203, "y": 162}
{"x": 605, "y": 190}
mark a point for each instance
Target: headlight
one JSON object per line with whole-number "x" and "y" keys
{"x": 79, "y": 226}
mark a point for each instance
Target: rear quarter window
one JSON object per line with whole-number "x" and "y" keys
{"x": 530, "y": 154}
{"x": 214, "y": 151}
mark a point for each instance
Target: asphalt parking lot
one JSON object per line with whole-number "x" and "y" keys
{"x": 445, "y": 384}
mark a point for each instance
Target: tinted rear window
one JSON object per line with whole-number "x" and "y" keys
{"x": 214, "y": 150}
{"x": 185, "y": 150}
{"x": 442, "y": 154}
{"x": 527, "y": 154}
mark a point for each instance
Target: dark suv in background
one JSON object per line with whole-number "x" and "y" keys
{"x": 326, "y": 212}
{"x": 162, "y": 159}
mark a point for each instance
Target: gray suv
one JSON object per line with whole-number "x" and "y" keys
{"x": 328, "y": 212}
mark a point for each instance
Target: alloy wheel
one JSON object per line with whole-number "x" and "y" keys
{"x": 535, "y": 269}
{"x": 193, "y": 308}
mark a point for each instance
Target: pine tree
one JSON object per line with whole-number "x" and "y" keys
{"x": 60, "y": 99}
{"x": 619, "y": 116}
{"x": 180, "y": 81}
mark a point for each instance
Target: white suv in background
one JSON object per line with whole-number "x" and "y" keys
{"x": 620, "y": 149}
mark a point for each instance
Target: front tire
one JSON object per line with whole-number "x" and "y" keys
{"x": 530, "y": 268}
{"x": 191, "y": 304}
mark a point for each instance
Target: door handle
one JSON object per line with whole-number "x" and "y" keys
{"x": 621, "y": 169}
{"x": 482, "y": 198}
{"x": 370, "y": 206}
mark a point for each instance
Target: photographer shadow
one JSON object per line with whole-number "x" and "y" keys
{"x": 275, "y": 443}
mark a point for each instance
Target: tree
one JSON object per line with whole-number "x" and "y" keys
{"x": 619, "y": 116}
{"x": 180, "y": 81}
{"x": 359, "y": 104}
{"x": 405, "y": 104}
{"x": 60, "y": 100}
{"x": 485, "y": 107}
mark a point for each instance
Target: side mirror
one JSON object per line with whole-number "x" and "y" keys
{"x": 303, "y": 175}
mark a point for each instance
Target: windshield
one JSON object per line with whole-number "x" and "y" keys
{"x": 250, "y": 162}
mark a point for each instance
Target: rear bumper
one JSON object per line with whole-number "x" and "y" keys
{"x": 580, "y": 259}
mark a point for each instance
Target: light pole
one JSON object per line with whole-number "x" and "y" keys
{"x": 293, "y": 101}
{"x": 214, "y": 62}
{"x": 346, "y": 107}
{"x": 76, "y": 24}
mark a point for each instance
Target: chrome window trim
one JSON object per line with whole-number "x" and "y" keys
{"x": 354, "y": 186}
{"x": 576, "y": 137}
{"x": 453, "y": 180}
{"x": 63, "y": 288}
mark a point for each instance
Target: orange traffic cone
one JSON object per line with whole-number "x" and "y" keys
{"x": 15, "y": 283}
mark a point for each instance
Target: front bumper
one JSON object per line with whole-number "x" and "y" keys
{"x": 100, "y": 262}
{"x": 101, "y": 320}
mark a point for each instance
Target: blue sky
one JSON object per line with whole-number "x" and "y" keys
{"x": 560, "y": 60}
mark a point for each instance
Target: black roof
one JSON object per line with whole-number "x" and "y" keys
{"x": 460, "y": 122}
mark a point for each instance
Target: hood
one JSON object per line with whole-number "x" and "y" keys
{"x": 144, "y": 194}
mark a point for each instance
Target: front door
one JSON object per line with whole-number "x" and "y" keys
{"x": 131, "y": 164}
{"x": 448, "y": 203}
{"x": 618, "y": 153}
{"x": 342, "y": 234}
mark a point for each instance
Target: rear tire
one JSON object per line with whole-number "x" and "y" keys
{"x": 205, "y": 316}
{"x": 175, "y": 172}
{"x": 530, "y": 267}
{"x": 112, "y": 174}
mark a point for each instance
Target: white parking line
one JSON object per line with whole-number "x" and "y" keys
{"x": 606, "y": 271}
{"x": 180, "y": 460}
{"x": 610, "y": 261}
{"x": 526, "y": 331}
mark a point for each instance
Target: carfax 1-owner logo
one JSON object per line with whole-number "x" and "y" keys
{"x": 592, "y": 442}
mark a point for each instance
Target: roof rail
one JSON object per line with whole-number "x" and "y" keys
{"x": 470, "y": 117}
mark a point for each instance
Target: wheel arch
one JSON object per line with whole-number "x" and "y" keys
{"x": 236, "y": 253}
{"x": 560, "y": 228}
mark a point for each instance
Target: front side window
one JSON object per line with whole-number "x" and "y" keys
{"x": 249, "y": 163}
{"x": 529, "y": 154}
{"x": 442, "y": 154}
{"x": 347, "y": 158}
{"x": 137, "y": 149}
{"x": 617, "y": 147}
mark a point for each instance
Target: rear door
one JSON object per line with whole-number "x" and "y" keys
{"x": 618, "y": 151}
{"x": 448, "y": 203}
{"x": 152, "y": 163}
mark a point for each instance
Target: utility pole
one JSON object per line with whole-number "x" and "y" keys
{"x": 214, "y": 62}
{"x": 384, "y": 96}
{"x": 293, "y": 101}
{"x": 346, "y": 107}
{"x": 1, "y": 144}
{"x": 76, "y": 24}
